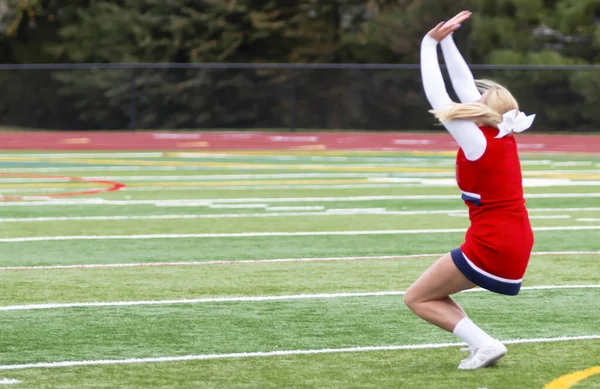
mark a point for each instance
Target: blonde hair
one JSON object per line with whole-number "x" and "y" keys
{"x": 495, "y": 102}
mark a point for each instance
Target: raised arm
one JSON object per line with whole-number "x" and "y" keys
{"x": 462, "y": 79}
{"x": 468, "y": 136}
{"x": 433, "y": 81}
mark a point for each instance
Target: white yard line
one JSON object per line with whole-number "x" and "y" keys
{"x": 374, "y": 185}
{"x": 267, "y": 187}
{"x": 130, "y": 168}
{"x": 309, "y": 208}
{"x": 549, "y": 216}
{"x": 572, "y": 163}
{"x": 9, "y": 381}
{"x": 226, "y": 262}
{"x": 216, "y": 177}
{"x": 199, "y": 168}
{"x": 240, "y": 206}
{"x": 262, "y": 261}
{"x": 329, "y": 212}
{"x": 266, "y": 234}
{"x": 281, "y": 353}
{"x": 33, "y": 191}
{"x": 238, "y": 299}
{"x": 100, "y": 201}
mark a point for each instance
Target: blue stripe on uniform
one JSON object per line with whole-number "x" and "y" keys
{"x": 479, "y": 279}
{"x": 474, "y": 200}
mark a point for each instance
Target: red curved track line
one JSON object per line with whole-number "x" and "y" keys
{"x": 111, "y": 186}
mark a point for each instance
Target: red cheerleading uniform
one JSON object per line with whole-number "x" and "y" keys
{"x": 499, "y": 241}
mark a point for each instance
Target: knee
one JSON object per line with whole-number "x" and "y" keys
{"x": 411, "y": 300}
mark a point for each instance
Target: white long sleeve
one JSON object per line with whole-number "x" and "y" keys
{"x": 433, "y": 81}
{"x": 461, "y": 76}
{"x": 468, "y": 136}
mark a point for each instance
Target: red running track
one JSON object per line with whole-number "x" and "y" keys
{"x": 114, "y": 141}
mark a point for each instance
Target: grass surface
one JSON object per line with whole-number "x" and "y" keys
{"x": 279, "y": 192}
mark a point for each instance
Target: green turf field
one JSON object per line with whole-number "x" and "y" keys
{"x": 278, "y": 269}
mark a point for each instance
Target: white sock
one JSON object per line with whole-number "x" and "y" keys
{"x": 474, "y": 336}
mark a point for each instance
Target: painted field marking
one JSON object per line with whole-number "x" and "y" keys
{"x": 573, "y": 163}
{"x": 100, "y": 201}
{"x": 262, "y": 261}
{"x": 588, "y": 219}
{"x": 204, "y": 357}
{"x": 232, "y": 187}
{"x": 217, "y": 177}
{"x": 100, "y": 154}
{"x": 545, "y": 182}
{"x": 238, "y": 299}
{"x": 267, "y": 234}
{"x": 311, "y": 186}
{"x": 61, "y": 184}
{"x": 328, "y": 212}
{"x": 130, "y": 168}
{"x": 315, "y": 208}
{"x": 106, "y": 186}
{"x": 226, "y": 262}
{"x": 549, "y": 216}
{"x": 439, "y": 162}
{"x": 9, "y": 381}
{"x": 290, "y": 184}
{"x": 234, "y": 206}
{"x": 239, "y": 165}
{"x": 569, "y": 380}
{"x": 268, "y": 157}
{"x": 93, "y": 169}
{"x": 218, "y": 184}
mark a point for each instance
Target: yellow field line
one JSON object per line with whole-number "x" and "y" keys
{"x": 159, "y": 183}
{"x": 18, "y": 159}
{"x": 306, "y": 167}
{"x": 250, "y": 165}
{"x": 568, "y": 380}
{"x": 308, "y": 152}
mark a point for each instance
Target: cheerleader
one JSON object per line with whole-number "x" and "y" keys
{"x": 498, "y": 243}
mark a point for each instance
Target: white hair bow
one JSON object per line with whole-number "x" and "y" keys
{"x": 514, "y": 121}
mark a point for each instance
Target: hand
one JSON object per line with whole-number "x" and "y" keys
{"x": 442, "y": 30}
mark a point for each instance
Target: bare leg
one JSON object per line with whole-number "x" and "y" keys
{"x": 450, "y": 301}
{"x": 429, "y": 297}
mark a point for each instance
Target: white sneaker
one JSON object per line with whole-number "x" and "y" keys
{"x": 484, "y": 356}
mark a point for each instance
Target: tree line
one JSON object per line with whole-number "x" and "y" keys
{"x": 517, "y": 32}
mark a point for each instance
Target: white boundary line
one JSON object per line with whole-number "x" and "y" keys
{"x": 329, "y": 212}
{"x": 237, "y": 299}
{"x": 213, "y": 177}
{"x": 266, "y": 234}
{"x": 204, "y": 357}
{"x": 261, "y": 261}
{"x": 101, "y": 201}
{"x": 9, "y": 381}
{"x": 32, "y": 191}
{"x": 182, "y": 188}
{"x": 338, "y": 212}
